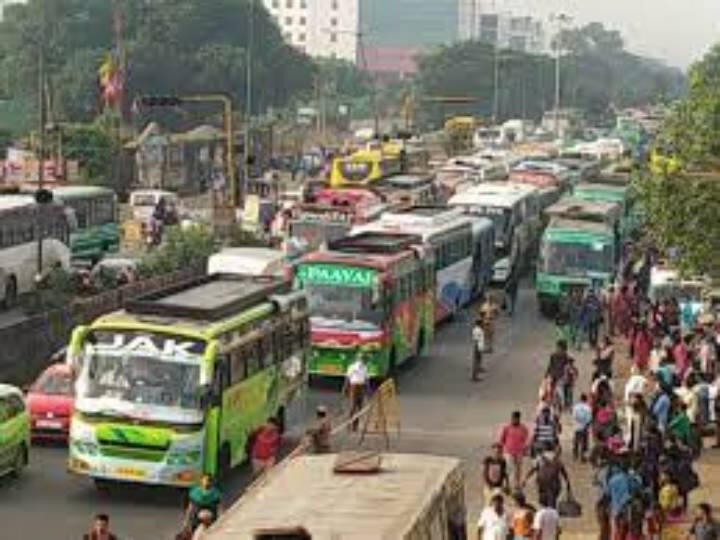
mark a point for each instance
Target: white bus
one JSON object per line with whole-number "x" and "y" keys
{"x": 515, "y": 211}
{"x": 456, "y": 246}
{"x": 22, "y": 223}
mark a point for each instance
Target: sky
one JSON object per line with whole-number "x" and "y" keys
{"x": 677, "y": 31}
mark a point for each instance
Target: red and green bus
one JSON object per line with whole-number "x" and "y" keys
{"x": 370, "y": 294}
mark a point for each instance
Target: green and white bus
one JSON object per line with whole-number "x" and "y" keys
{"x": 96, "y": 212}
{"x": 613, "y": 193}
{"x": 574, "y": 254}
{"x": 176, "y": 384}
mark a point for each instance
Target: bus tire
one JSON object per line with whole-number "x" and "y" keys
{"x": 224, "y": 461}
{"x": 281, "y": 418}
{"x": 20, "y": 460}
{"x": 10, "y": 292}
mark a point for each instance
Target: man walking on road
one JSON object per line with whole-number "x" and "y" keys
{"x": 494, "y": 523}
{"x": 549, "y": 472}
{"x": 511, "y": 292}
{"x": 582, "y": 418}
{"x": 479, "y": 341}
{"x": 356, "y": 382}
{"x": 515, "y": 439}
{"x": 100, "y": 529}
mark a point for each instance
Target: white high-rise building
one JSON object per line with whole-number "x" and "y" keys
{"x": 326, "y": 28}
{"x": 4, "y": 3}
{"x": 479, "y": 19}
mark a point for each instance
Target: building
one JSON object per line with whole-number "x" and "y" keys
{"x": 325, "y": 28}
{"x": 5, "y": 3}
{"x": 501, "y": 28}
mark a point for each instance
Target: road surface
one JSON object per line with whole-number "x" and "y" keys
{"x": 442, "y": 412}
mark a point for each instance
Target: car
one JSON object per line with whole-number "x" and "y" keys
{"x": 14, "y": 431}
{"x": 50, "y": 401}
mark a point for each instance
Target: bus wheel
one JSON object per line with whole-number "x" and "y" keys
{"x": 10, "y": 292}
{"x": 21, "y": 459}
{"x": 224, "y": 465}
{"x": 281, "y": 418}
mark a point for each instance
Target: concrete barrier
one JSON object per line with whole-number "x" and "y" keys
{"x": 26, "y": 346}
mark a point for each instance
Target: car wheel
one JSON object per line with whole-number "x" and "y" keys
{"x": 21, "y": 459}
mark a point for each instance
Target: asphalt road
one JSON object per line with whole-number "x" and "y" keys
{"x": 442, "y": 412}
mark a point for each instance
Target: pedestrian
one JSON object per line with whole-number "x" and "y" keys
{"x": 357, "y": 379}
{"x": 605, "y": 356}
{"x": 593, "y": 316}
{"x": 641, "y": 345}
{"x": 568, "y": 383}
{"x": 319, "y": 435}
{"x": 622, "y": 484}
{"x": 206, "y": 518}
{"x": 660, "y": 406}
{"x": 515, "y": 440}
{"x": 549, "y": 471}
{"x": 546, "y": 524}
{"x": 635, "y": 386}
{"x": 204, "y": 496}
{"x": 489, "y": 311}
{"x": 575, "y": 311}
{"x": 266, "y": 445}
{"x": 511, "y": 291}
{"x": 493, "y": 523}
{"x": 607, "y": 306}
{"x": 679, "y": 424}
{"x": 479, "y": 343}
{"x": 704, "y": 526}
{"x": 582, "y": 418}
{"x": 558, "y": 360}
{"x": 546, "y": 434}
{"x": 621, "y": 311}
{"x": 495, "y": 473}
{"x": 100, "y": 529}
{"x": 562, "y": 319}
{"x": 523, "y": 518}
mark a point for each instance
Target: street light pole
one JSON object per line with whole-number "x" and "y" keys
{"x": 561, "y": 19}
{"x": 41, "y": 140}
{"x": 248, "y": 100}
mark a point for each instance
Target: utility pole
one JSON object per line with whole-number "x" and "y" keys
{"x": 248, "y": 104}
{"x": 561, "y": 19}
{"x": 496, "y": 83}
{"x": 41, "y": 140}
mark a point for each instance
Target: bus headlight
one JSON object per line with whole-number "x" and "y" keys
{"x": 180, "y": 457}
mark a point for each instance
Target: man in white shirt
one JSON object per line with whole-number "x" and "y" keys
{"x": 635, "y": 386}
{"x": 357, "y": 378}
{"x": 493, "y": 523}
{"x": 546, "y": 524}
{"x": 478, "y": 337}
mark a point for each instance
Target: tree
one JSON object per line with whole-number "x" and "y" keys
{"x": 173, "y": 46}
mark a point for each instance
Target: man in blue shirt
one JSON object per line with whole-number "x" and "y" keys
{"x": 660, "y": 409}
{"x": 582, "y": 418}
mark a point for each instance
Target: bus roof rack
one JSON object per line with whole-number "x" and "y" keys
{"x": 209, "y": 298}
{"x": 375, "y": 242}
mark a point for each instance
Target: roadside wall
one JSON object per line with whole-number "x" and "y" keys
{"x": 26, "y": 347}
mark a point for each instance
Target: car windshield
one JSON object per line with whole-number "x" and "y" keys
{"x": 141, "y": 376}
{"x": 54, "y": 384}
{"x": 334, "y": 303}
{"x": 569, "y": 258}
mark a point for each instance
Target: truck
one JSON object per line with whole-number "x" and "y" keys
{"x": 324, "y": 497}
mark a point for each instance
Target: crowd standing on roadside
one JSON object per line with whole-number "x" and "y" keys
{"x": 642, "y": 439}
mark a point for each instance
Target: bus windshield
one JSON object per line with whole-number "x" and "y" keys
{"x": 499, "y": 216}
{"x": 333, "y": 304}
{"x": 141, "y": 376}
{"x": 568, "y": 258}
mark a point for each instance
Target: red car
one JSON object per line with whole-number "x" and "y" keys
{"x": 50, "y": 401}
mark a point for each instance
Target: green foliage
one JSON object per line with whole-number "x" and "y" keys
{"x": 597, "y": 75}
{"x": 181, "y": 248}
{"x": 172, "y": 46}
{"x": 92, "y": 147}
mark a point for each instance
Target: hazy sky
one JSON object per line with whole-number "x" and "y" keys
{"x": 678, "y": 31}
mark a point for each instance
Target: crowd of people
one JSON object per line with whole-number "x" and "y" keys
{"x": 641, "y": 434}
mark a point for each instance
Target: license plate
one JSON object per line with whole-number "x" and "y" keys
{"x": 128, "y": 472}
{"x": 49, "y": 424}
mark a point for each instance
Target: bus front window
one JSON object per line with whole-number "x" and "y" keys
{"x": 140, "y": 382}
{"x": 573, "y": 258}
{"x": 355, "y": 305}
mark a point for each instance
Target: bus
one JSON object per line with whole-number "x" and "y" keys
{"x": 405, "y": 190}
{"x": 175, "y": 385}
{"x": 515, "y": 211}
{"x": 457, "y": 251}
{"x": 96, "y": 212}
{"x": 331, "y": 216}
{"x": 23, "y": 223}
{"x": 396, "y": 496}
{"x": 363, "y": 168}
{"x": 371, "y": 294}
{"x": 620, "y": 194}
{"x": 574, "y": 254}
